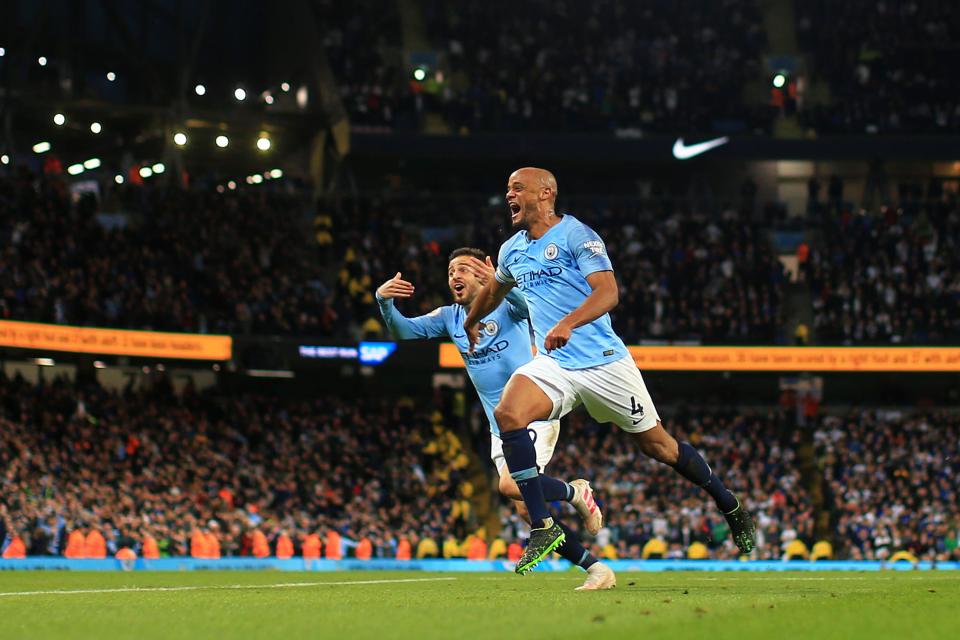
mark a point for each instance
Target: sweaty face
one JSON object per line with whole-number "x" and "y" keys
{"x": 522, "y": 200}
{"x": 463, "y": 283}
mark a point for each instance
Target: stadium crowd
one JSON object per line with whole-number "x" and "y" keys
{"x": 209, "y": 475}
{"x": 249, "y": 262}
{"x": 894, "y": 482}
{"x": 88, "y": 473}
{"x": 890, "y": 275}
{"x": 887, "y": 64}
{"x": 663, "y": 66}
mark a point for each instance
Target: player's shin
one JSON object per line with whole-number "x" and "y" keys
{"x": 554, "y": 489}
{"x": 691, "y": 465}
{"x": 521, "y": 459}
{"x": 573, "y": 550}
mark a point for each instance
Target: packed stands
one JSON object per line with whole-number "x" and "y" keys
{"x": 663, "y": 66}
{"x": 249, "y": 262}
{"x": 87, "y": 473}
{"x": 215, "y": 475}
{"x": 890, "y": 275}
{"x": 893, "y": 476}
{"x": 889, "y": 65}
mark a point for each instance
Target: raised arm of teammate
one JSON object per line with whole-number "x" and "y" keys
{"x": 401, "y": 327}
{"x": 604, "y": 298}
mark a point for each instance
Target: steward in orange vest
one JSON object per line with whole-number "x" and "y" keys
{"x": 150, "y": 550}
{"x": 284, "y": 546}
{"x": 76, "y": 545}
{"x": 404, "y": 551}
{"x": 311, "y": 547}
{"x": 16, "y": 550}
{"x": 514, "y": 551}
{"x": 198, "y": 545}
{"x": 95, "y": 546}
{"x": 261, "y": 548}
{"x": 213, "y": 545}
{"x": 364, "y": 549}
{"x": 333, "y": 549}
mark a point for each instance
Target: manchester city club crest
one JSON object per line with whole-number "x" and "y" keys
{"x": 491, "y": 328}
{"x": 551, "y": 252}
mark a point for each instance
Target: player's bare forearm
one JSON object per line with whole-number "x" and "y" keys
{"x": 488, "y": 299}
{"x": 602, "y": 299}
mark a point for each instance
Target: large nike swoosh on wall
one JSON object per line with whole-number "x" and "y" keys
{"x": 685, "y": 152}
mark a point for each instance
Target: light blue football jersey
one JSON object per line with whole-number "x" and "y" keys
{"x": 552, "y": 274}
{"x": 504, "y": 342}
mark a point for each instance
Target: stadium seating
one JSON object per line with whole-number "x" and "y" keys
{"x": 888, "y": 276}
{"x": 888, "y": 65}
{"x": 87, "y": 473}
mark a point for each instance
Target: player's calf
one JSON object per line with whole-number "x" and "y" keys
{"x": 688, "y": 462}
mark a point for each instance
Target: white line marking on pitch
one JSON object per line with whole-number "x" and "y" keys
{"x": 280, "y": 585}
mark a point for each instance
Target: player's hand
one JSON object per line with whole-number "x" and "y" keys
{"x": 558, "y": 337}
{"x": 473, "y": 335}
{"x": 482, "y": 269}
{"x": 395, "y": 287}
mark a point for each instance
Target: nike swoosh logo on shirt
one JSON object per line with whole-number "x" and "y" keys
{"x": 462, "y": 335}
{"x": 683, "y": 151}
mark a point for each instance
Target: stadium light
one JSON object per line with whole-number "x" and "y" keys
{"x": 220, "y": 188}
{"x": 263, "y": 142}
{"x": 146, "y": 172}
{"x": 41, "y": 147}
{"x": 276, "y": 173}
{"x": 419, "y": 74}
{"x": 42, "y": 61}
{"x": 285, "y": 87}
{"x": 118, "y": 179}
{"x": 267, "y": 97}
{"x": 111, "y": 76}
{"x": 95, "y": 127}
{"x": 59, "y": 119}
{"x": 200, "y": 89}
{"x": 75, "y": 169}
{"x": 99, "y": 364}
{"x": 159, "y": 168}
{"x": 231, "y": 185}
{"x": 92, "y": 163}
{"x": 4, "y": 159}
{"x": 779, "y": 80}
{"x": 44, "y": 362}
{"x": 257, "y": 178}
{"x": 180, "y": 138}
{"x": 3, "y": 52}
{"x": 240, "y": 94}
{"x": 223, "y": 141}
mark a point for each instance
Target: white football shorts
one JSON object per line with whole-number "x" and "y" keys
{"x": 544, "y": 436}
{"x": 612, "y": 392}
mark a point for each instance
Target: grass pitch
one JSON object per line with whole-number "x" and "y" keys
{"x": 353, "y": 606}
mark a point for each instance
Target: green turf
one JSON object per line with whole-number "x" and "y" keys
{"x": 658, "y": 606}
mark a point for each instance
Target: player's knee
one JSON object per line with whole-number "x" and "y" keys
{"x": 656, "y": 450}
{"x": 508, "y": 488}
{"x": 508, "y": 419}
{"x": 659, "y": 445}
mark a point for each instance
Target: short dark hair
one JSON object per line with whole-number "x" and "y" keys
{"x": 479, "y": 254}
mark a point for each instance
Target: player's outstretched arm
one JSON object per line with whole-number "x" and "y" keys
{"x": 488, "y": 299}
{"x": 602, "y": 299}
{"x": 400, "y": 326}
